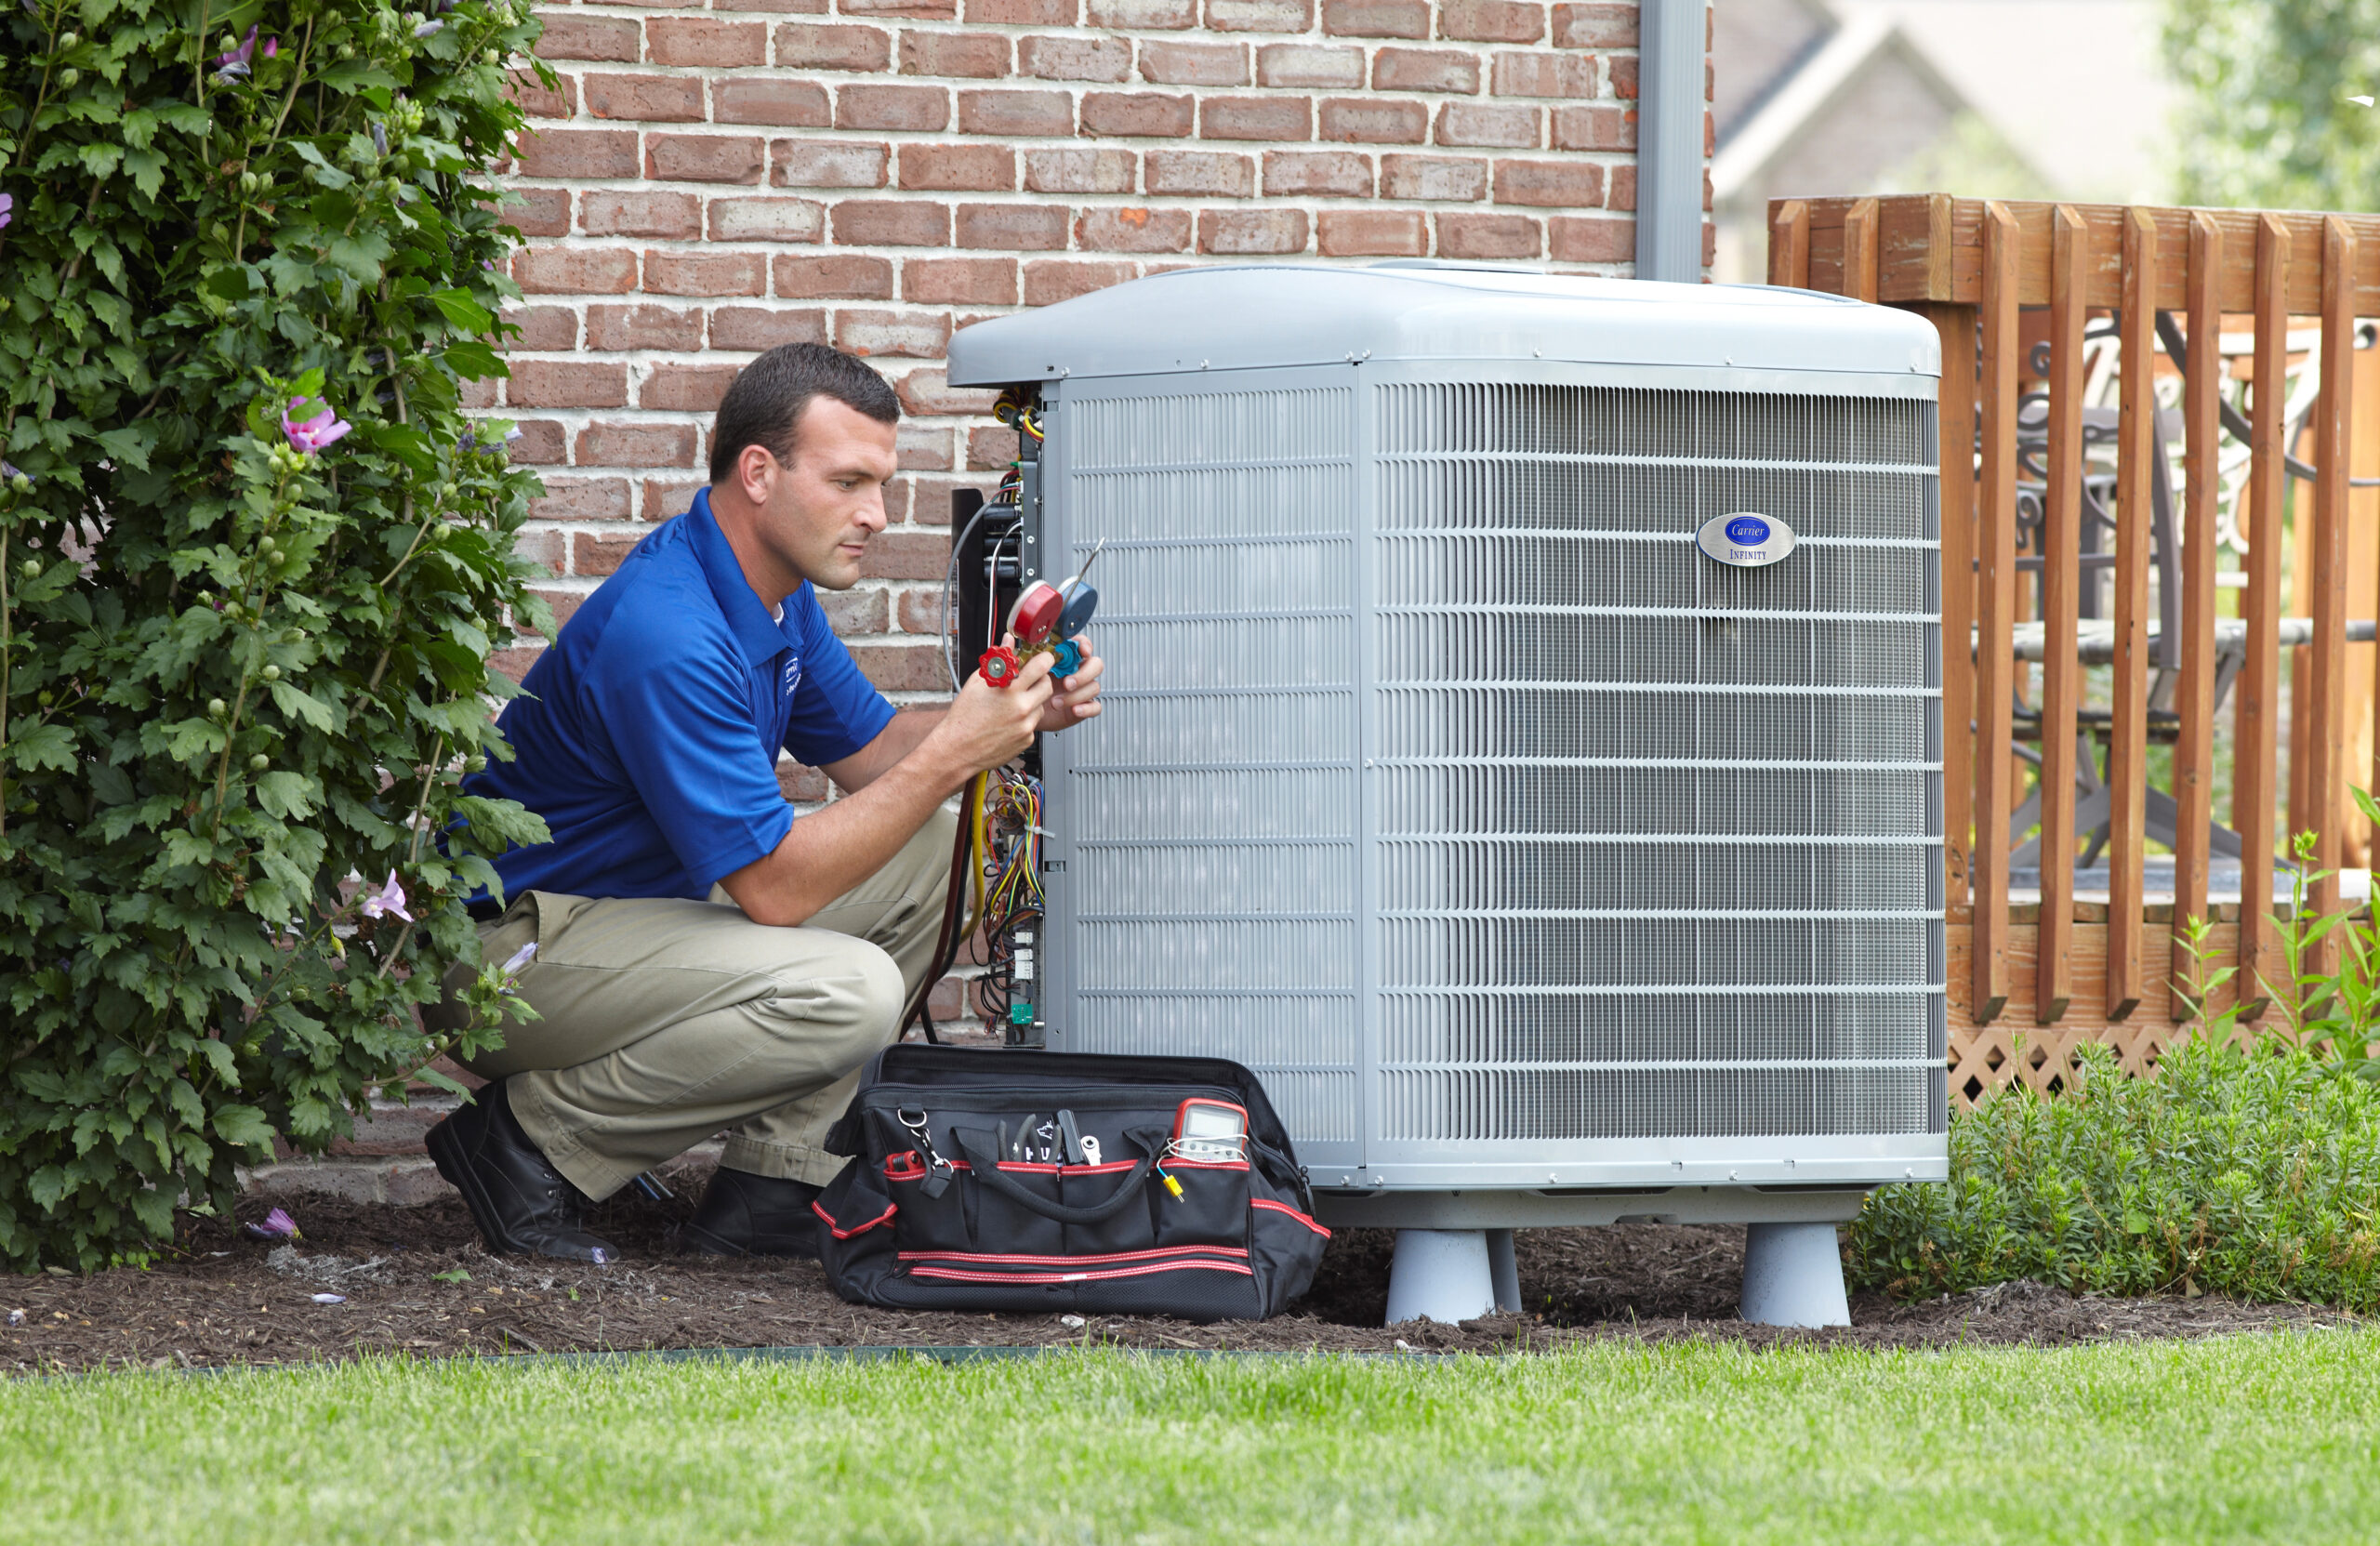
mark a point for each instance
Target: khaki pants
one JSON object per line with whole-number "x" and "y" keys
{"x": 665, "y": 1021}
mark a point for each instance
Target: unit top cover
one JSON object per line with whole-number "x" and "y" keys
{"x": 1238, "y": 318}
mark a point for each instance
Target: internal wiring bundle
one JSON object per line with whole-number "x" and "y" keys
{"x": 1007, "y": 853}
{"x": 997, "y": 860}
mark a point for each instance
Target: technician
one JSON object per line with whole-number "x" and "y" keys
{"x": 704, "y": 961}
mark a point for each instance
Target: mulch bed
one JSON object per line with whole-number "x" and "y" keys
{"x": 417, "y": 1282}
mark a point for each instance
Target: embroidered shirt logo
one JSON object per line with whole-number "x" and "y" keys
{"x": 792, "y": 674}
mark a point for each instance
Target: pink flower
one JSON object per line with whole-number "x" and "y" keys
{"x": 8, "y": 207}
{"x": 389, "y": 898}
{"x": 277, "y": 1225}
{"x": 271, "y": 47}
{"x": 324, "y": 430}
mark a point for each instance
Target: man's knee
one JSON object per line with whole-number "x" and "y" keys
{"x": 856, "y": 1003}
{"x": 883, "y": 993}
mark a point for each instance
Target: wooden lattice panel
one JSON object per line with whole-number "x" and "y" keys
{"x": 1986, "y": 1057}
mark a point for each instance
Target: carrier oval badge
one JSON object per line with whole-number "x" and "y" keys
{"x": 1745, "y": 538}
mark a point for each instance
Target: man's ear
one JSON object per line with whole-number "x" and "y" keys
{"x": 756, "y": 473}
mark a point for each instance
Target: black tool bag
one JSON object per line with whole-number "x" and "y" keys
{"x": 966, "y": 1191}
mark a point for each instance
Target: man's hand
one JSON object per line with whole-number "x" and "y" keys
{"x": 985, "y": 726}
{"x": 1076, "y": 699}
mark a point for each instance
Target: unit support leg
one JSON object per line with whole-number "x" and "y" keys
{"x": 1442, "y": 1274}
{"x": 1794, "y": 1275}
{"x": 1504, "y": 1268}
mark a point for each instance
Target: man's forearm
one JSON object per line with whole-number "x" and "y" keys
{"x": 918, "y": 760}
{"x": 907, "y": 732}
{"x": 829, "y": 852}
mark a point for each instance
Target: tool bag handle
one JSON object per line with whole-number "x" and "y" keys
{"x": 976, "y": 1144}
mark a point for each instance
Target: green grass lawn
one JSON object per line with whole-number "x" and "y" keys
{"x": 2247, "y": 1438}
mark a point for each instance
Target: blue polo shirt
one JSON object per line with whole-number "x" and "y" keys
{"x": 648, "y": 734}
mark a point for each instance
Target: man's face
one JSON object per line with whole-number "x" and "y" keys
{"x": 821, "y": 510}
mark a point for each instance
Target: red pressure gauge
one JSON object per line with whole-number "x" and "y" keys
{"x": 1036, "y": 613}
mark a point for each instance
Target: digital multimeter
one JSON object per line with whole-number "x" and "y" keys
{"x": 1204, "y": 1129}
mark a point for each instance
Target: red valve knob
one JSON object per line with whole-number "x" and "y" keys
{"x": 999, "y": 666}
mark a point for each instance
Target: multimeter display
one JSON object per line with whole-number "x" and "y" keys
{"x": 1210, "y": 1130}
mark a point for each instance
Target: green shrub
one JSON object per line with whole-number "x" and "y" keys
{"x": 2250, "y": 1172}
{"x": 239, "y": 675}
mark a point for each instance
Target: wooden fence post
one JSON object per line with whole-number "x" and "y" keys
{"x": 1996, "y": 607}
{"x": 1789, "y": 246}
{"x": 2326, "y": 704}
{"x": 2061, "y": 574}
{"x": 2194, "y": 752}
{"x": 1954, "y": 444}
{"x": 2256, "y": 726}
{"x": 2137, "y": 452}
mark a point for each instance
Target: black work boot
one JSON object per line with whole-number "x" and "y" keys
{"x": 519, "y": 1201}
{"x": 741, "y": 1214}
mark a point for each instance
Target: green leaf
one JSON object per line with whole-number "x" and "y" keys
{"x": 290, "y": 796}
{"x": 469, "y": 315}
{"x": 473, "y": 360}
{"x": 348, "y": 76}
{"x": 243, "y": 1125}
{"x": 446, "y": 1082}
{"x": 42, "y": 747}
{"x": 297, "y": 702}
{"x": 148, "y": 169}
{"x": 111, "y": 784}
{"x": 128, "y": 445}
{"x": 407, "y": 443}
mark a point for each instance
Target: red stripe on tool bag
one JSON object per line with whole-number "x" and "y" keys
{"x": 1285, "y": 1208}
{"x": 1172, "y": 1164}
{"x": 958, "y": 1275}
{"x": 1160, "y": 1253}
{"x": 843, "y": 1234}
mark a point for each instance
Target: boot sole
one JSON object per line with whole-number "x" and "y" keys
{"x": 699, "y": 1241}
{"x": 695, "y": 1238}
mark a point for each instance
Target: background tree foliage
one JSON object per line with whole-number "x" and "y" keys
{"x": 2266, "y": 118}
{"x": 235, "y": 676}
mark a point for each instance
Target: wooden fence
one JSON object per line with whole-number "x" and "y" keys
{"x": 1975, "y": 268}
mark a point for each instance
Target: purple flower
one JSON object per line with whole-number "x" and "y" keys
{"x": 234, "y": 65}
{"x": 271, "y": 47}
{"x": 428, "y": 28}
{"x": 8, "y": 208}
{"x": 11, "y": 473}
{"x": 389, "y": 898}
{"x": 322, "y": 431}
{"x": 519, "y": 958}
{"x": 277, "y": 1225}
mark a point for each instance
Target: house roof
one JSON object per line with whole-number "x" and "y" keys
{"x": 2076, "y": 88}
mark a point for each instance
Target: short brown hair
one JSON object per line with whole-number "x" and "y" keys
{"x": 767, "y": 397}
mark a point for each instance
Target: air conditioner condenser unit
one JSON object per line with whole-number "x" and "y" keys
{"x": 1522, "y": 742}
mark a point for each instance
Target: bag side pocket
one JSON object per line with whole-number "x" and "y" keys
{"x": 857, "y": 1231}
{"x": 1285, "y": 1247}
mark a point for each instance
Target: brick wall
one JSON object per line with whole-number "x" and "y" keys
{"x": 704, "y": 184}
